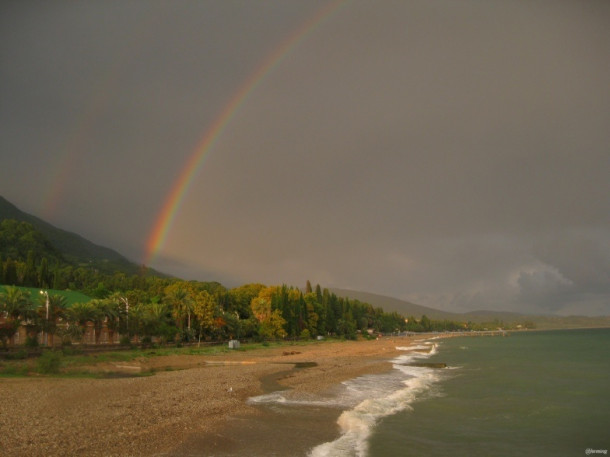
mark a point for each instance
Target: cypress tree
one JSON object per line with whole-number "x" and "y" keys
{"x": 318, "y": 293}
{"x": 43, "y": 274}
{"x": 10, "y": 272}
{"x": 56, "y": 279}
{"x": 308, "y": 288}
{"x": 30, "y": 278}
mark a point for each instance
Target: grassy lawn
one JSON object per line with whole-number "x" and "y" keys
{"x": 71, "y": 296}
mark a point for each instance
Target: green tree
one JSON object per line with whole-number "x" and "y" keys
{"x": 203, "y": 309}
{"x": 312, "y": 316}
{"x": 107, "y": 313}
{"x": 425, "y": 323}
{"x": 120, "y": 303}
{"x": 98, "y": 317}
{"x": 44, "y": 278}
{"x": 318, "y": 293}
{"x": 308, "y": 288}
{"x": 240, "y": 298}
{"x": 101, "y": 291}
{"x": 179, "y": 298}
{"x": 15, "y": 306}
{"x": 10, "y": 272}
{"x": 31, "y": 276}
{"x": 78, "y": 316}
{"x": 57, "y": 310}
{"x": 156, "y": 321}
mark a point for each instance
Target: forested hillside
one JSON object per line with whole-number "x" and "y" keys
{"x": 75, "y": 250}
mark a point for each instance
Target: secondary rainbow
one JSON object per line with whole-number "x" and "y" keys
{"x": 166, "y": 216}
{"x": 104, "y": 89}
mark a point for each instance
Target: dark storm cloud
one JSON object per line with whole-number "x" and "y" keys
{"x": 454, "y": 154}
{"x": 114, "y": 97}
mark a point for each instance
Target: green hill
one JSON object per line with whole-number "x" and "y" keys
{"x": 73, "y": 248}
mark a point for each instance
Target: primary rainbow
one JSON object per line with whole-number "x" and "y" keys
{"x": 181, "y": 186}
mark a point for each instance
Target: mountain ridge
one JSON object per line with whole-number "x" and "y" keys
{"x": 407, "y": 309}
{"x": 74, "y": 247}
{"x": 390, "y": 304}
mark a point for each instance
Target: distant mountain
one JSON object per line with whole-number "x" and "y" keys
{"x": 74, "y": 248}
{"x": 410, "y": 309}
{"x": 391, "y": 304}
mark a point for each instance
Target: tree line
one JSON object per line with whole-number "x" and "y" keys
{"x": 187, "y": 311}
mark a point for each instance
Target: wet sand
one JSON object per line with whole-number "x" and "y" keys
{"x": 194, "y": 410}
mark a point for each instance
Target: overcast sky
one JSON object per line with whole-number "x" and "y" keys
{"x": 452, "y": 153}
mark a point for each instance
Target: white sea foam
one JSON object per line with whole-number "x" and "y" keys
{"x": 365, "y": 400}
{"x": 383, "y": 396}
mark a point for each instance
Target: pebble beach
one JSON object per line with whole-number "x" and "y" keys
{"x": 189, "y": 395}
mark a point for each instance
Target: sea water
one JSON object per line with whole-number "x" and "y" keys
{"x": 527, "y": 394}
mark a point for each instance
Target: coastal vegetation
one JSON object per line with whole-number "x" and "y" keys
{"x": 173, "y": 310}
{"x": 143, "y": 307}
{"x": 47, "y": 298}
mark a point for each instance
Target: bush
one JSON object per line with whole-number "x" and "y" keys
{"x": 305, "y": 335}
{"x": 49, "y": 362}
{"x": 69, "y": 350}
{"x": 168, "y": 333}
{"x": 14, "y": 370}
{"x": 19, "y": 355}
{"x": 31, "y": 342}
{"x": 125, "y": 341}
{"x": 66, "y": 341}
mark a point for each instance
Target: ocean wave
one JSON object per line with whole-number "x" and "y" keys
{"x": 382, "y": 398}
{"x": 365, "y": 400}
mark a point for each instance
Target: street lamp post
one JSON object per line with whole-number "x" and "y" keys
{"x": 46, "y": 333}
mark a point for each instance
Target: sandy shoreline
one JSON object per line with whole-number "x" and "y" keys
{"x": 153, "y": 415}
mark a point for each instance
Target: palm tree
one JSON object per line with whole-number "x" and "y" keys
{"x": 111, "y": 312}
{"x": 15, "y": 306}
{"x": 57, "y": 311}
{"x": 15, "y": 302}
{"x": 158, "y": 320}
{"x": 120, "y": 303}
{"x": 179, "y": 299}
{"x": 137, "y": 320}
{"x": 98, "y": 316}
{"x": 78, "y": 317}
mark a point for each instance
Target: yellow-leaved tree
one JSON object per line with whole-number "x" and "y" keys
{"x": 271, "y": 322}
{"x": 203, "y": 305}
